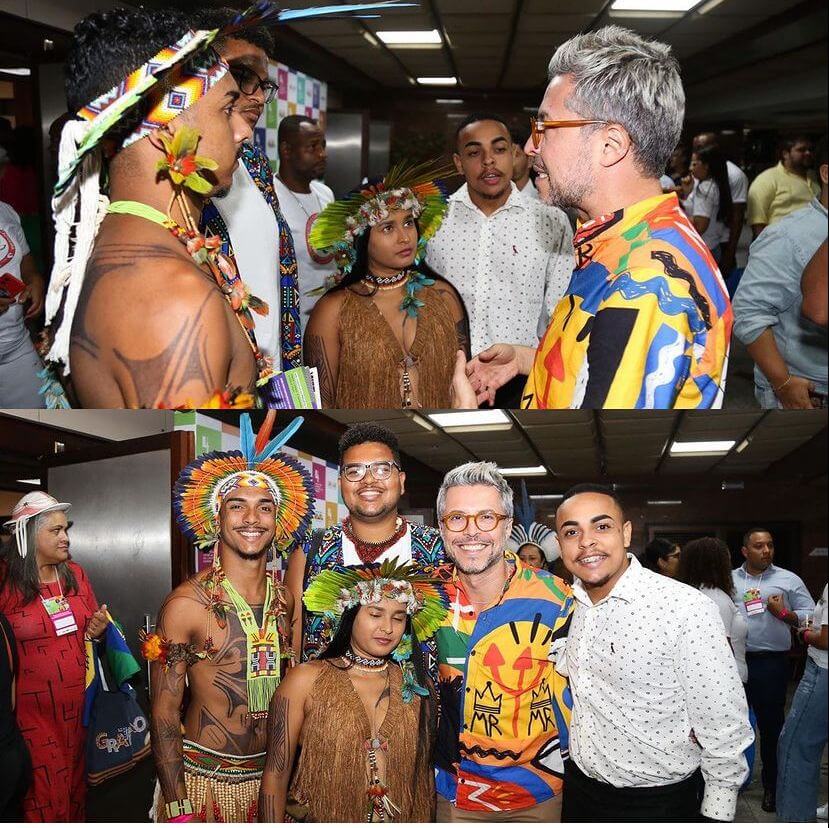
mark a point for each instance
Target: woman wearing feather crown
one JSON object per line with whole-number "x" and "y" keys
{"x": 388, "y": 335}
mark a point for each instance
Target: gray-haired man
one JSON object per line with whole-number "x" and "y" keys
{"x": 645, "y": 321}
{"x": 503, "y": 715}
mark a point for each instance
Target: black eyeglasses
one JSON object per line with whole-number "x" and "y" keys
{"x": 380, "y": 470}
{"x": 250, "y": 83}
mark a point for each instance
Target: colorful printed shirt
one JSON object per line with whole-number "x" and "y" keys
{"x": 645, "y": 321}
{"x": 212, "y": 223}
{"x": 504, "y": 710}
{"x": 324, "y": 550}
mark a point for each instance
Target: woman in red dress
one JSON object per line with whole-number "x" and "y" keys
{"x": 51, "y": 608}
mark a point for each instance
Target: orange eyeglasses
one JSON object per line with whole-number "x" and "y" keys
{"x": 537, "y": 126}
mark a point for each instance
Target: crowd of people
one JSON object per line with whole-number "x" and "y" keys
{"x": 400, "y": 294}
{"x": 403, "y": 672}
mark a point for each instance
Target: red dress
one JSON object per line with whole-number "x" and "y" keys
{"x": 50, "y": 691}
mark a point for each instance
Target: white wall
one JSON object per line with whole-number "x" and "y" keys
{"x": 118, "y": 424}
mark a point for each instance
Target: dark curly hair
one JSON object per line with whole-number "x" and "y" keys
{"x": 706, "y": 562}
{"x": 109, "y": 45}
{"x": 258, "y": 36}
{"x": 360, "y": 433}
{"x": 658, "y": 549}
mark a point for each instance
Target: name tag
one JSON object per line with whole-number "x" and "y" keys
{"x": 60, "y": 614}
{"x": 753, "y": 602}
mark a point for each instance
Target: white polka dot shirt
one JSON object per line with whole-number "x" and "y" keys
{"x": 511, "y": 267}
{"x": 656, "y": 693}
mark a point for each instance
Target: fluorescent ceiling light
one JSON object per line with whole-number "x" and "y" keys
{"x": 449, "y": 100}
{"x": 34, "y": 482}
{"x": 524, "y": 471}
{"x": 371, "y": 39}
{"x": 423, "y": 423}
{"x": 664, "y": 503}
{"x": 22, "y": 72}
{"x": 467, "y": 419}
{"x": 654, "y": 5}
{"x": 453, "y": 81}
{"x": 702, "y": 448}
{"x": 410, "y": 38}
{"x": 547, "y": 497}
{"x": 707, "y": 7}
{"x": 744, "y": 445}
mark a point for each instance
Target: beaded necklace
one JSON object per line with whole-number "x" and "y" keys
{"x": 367, "y": 551}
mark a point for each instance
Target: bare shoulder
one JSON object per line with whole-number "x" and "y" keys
{"x": 183, "y": 609}
{"x": 299, "y": 680}
{"x": 328, "y": 307}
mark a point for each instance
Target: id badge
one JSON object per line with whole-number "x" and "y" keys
{"x": 60, "y": 614}
{"x": 753, "y": 602}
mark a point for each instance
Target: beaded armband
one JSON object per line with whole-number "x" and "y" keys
{"x": 155, "y": 647}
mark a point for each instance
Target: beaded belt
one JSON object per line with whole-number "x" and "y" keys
{"x": 202, "y": 761}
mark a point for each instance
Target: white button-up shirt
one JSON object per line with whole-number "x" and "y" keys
{"x": 511, "y": 267}
{"x": 656, "y": 693}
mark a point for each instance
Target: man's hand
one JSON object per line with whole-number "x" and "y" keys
{"x": 34, "y": 295}
{"x": 795, "y": 393}
{"x": 491, "y": 369}
{"x": 462, "y": 394}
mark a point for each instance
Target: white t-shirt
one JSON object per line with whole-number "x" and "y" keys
{"x": 402, "y": 550}
{"x": 13, "y": 248}
{"x": 300, "y": 210}
{"x": 530, "y": 191}
{"x": 736, "y": 627}
{"x": 820, "y": 619}
{"x": 705, "y": 201}
{"x": 254, "y": 235}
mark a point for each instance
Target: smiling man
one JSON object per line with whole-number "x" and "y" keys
{"x": 247, "y": 216}
{"x": 372, "y": 481}
{"x": 504, "y": 713}
{"x": 225, "y": 633}
{"x": 659, "y": 713}
{"x": 509, "y": 257}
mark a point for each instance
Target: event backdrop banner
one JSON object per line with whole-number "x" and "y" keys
{"x": 214, "y": 435}
{"x": 299, "y": 94}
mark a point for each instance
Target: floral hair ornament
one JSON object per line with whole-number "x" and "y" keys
{"x": 169, "y": 83}
{"x": 202, "y": 485}
{"x": 416, "y": 187}
{"x": 332, "y": 591}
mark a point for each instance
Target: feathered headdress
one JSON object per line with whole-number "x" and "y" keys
{"x": 525, "y": 529}
{"x": 201, "y": 486}
{"x": 168, "y": 84}
{"x": 333, "y": 591}
{"x": 415, "y": 187}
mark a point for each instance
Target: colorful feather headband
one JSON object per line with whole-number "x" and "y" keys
{"x": 417, "y": 187}
{"x": 332, "y": 591}
{"x": 201, "y": 486}
{"x": 78, "y": 205}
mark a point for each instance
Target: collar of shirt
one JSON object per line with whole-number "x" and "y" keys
{"x": 819, "y": 207}
{"x": 514, "y": 201}
{"x": 610, "y": 225}
{"x": 809, "y": 179}
{"x": 511, "y": 559}
{"x": 769, "y": 570}
{"x": 626, "y": 588}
